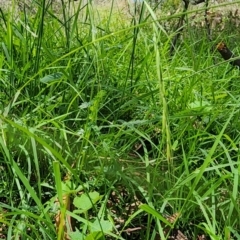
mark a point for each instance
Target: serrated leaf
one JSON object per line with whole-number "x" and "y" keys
{"x": 51, "y": 78}
{"x": 94, "y": 236}
{"x": 76, "y": 235}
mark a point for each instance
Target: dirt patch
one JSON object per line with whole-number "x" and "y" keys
{"x": 121, "y": 6}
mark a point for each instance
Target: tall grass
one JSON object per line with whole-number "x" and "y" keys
{"x": 104, "y": 135}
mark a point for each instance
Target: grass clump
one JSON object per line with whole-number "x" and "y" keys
{"x": 104, "y": 135}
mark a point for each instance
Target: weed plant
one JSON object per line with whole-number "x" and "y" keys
{"x": 104, "y": 135}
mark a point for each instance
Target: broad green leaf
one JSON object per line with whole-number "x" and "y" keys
{"x": 86, "y": 201}
{"x": 51, "y": 78}
{"x": 76, "y": 235}
{"x": 103, "y": 225}
{"x": 94, "y": 236}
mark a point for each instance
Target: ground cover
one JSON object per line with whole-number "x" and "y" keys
{"x": 107, "y": 134}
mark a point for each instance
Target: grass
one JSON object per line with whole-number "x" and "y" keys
{"x": 105, "y": 136}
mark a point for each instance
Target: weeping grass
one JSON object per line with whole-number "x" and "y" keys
{"x": 92, "y": 104}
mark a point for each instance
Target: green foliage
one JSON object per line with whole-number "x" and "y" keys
{"x": 93, "y": 109}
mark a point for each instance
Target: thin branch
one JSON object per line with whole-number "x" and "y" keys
{"x": 179, "y": 27}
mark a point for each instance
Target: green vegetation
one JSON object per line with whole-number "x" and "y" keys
{"x": 104, "y": 135}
